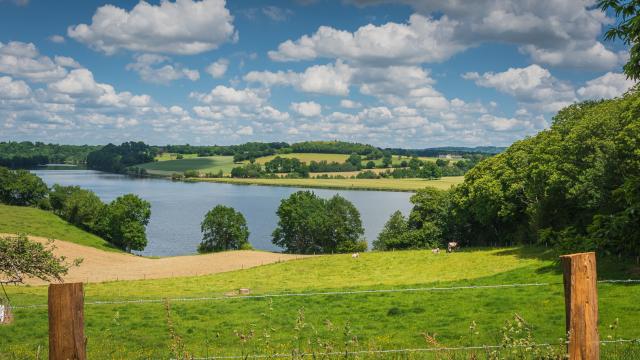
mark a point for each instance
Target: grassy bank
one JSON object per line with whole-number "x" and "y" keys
{"x": 237, "y": 326}
{"x": 348, "y": 184}
{"x": 32, "y": 221}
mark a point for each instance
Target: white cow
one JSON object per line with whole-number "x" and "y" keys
{"x": 452, "y": 246}
{"x": 435, "y": 251}
{"x": 355, "y": 255}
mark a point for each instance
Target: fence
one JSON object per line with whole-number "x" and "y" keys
{"x": 66, "y": 317}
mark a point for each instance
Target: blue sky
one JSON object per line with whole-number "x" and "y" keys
{"x": 404, "y": 73}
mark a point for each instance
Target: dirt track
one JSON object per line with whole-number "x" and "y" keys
{"x": 98, "y": 265}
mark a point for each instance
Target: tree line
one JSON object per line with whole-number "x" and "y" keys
{"x": 27, "y": 154}
{"x": 121, "y": 222}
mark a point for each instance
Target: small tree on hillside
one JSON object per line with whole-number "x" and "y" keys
{"x": 223, "y": 228}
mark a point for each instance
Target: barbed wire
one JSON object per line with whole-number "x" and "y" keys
{"x": 414, "y": 350}
{"x": 324, "y": 293}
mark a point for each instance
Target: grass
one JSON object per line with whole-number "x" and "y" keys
{"x": 207, "y": 164}
{"x": 32, "y": 221}
{"x": 350, "y": 184}
{"x": 306, "y": 157}
{"x": 237, "y": 326}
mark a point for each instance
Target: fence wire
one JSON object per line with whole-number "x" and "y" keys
{"x": 414, "y": 350}
{"x": 325, "y": 293}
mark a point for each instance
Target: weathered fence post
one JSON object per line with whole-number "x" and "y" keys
{"x": 66, "y": 322}
{"x": 581, "y": 305}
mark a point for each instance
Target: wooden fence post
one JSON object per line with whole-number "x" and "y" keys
{"x": 66, "y": 322}
{"x": 581, "y": 305}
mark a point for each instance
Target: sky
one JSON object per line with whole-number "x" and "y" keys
{"x": 392, "y": 73}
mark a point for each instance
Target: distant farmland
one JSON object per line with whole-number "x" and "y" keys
{"x": 207, "y": 164}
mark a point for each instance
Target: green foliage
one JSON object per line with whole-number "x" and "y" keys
{"x": 78, "y": 206}
{"x": 335, "y": 147}
{"x": 574, "y": 186}
{"x": 429, "y": 224}
{"x": 627, "y": 30}
{"x": 24, "y": 155}
{"x": 20, "y": 187}
{"x": 112, "y": 158}
{"x": 309, "y": 224}
{"x": 124, "y": 221}
{"x": 223, "y": 229}
{"x": 21, "y": 258}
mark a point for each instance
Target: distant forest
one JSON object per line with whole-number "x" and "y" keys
{"x": 116, "y": 158}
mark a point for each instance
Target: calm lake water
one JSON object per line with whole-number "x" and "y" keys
{"x": 177, "y": 208}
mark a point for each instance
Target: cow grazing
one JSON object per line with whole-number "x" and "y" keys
{"x": 435, "y": 251}
{"x": 355, "y": 255}
{"x": 452, "y": 246}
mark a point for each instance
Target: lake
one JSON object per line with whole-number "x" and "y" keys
{"x": 177, "y": 208}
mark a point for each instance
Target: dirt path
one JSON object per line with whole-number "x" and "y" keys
{"x": 99, "y": 266}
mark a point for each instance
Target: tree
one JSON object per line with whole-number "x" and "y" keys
{"x": 22, "y": 258}
{"x": 370, "y": 165}
{"x": 309, "y": 224}
{"x": 627, "y": 30}
{"x": 301, "y": 223}
{"x": 387, "y": 159}
{"x": 124, "y": 221}
{"x": 344, "y": 227}
{"x": 393, "y": 229}
{"x": 78, "y": 206}
{"x": 223, "y": 229}
{"x": 355, "y": 160}
{"x": 20, "y": 187}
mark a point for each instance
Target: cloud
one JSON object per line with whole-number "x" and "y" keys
{"x": 349, "y": 104}
{"x": 160, "y": 69}
{"x": 276, "y": 13}
{"x": 58, "y": 39}
{"x": 533, "y": 86}
{"x": 306, "y": 109}
{"x": 552, "y": 32}
{"x": 11, "y": 89}
{"x": 607, "y": 86}
{"x": 329, "y": 79}
{"x": 422, "y": 39}
{"x": 23, "y": 60}
{"x": 245, "y": 130}
{"x": 224, "y": 95}
{"x": 195, "y": 27}
{"x": 218, "y": 68}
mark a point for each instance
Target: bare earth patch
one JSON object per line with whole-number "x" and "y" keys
{"x": 99, "y": 265}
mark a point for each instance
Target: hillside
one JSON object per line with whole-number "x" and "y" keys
{"x": 32, "y": 221}
{"x": 167, "y": 165}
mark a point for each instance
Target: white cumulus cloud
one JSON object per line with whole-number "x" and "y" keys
{"x": 183, "y": 27}
{"x": 307, "y": 108}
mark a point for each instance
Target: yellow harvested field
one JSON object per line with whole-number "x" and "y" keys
{"x": 306, "y": 157}
{"x": 352, "y": 184}
{"x": 99, "y": 265}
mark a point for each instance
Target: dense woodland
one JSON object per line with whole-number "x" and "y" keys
{"x": 25, "y": 155}
{"x": 575, "y": 186}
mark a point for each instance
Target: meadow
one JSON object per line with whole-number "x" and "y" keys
{"x": 36, "y": 222}
{"x": 167, "y": 164}
{"x": 235, "y": 326}
{"x": 385, "y": 184}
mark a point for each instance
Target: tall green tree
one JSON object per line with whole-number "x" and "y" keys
{"x": 223, "y": 229}
{"x": 309, "y": 224}
{"x": 124, "y": 222}
{"x": 627, "y": 30}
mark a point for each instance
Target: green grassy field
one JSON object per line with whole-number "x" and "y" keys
{"x": 306, "y": 157}
{"x": 353, "y": 184}
{"x": 330, "y": 322}
{"x": 208, "y": 164}
{"x": 32, "y": 221}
